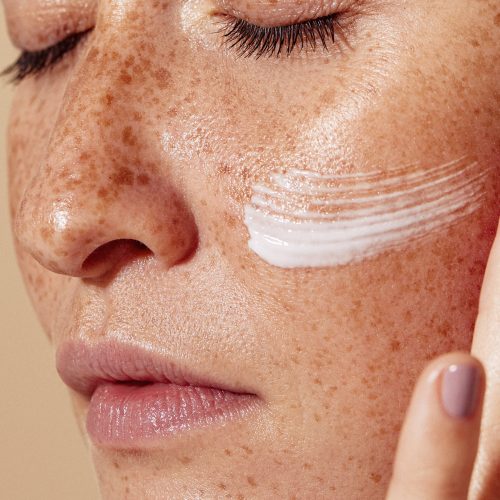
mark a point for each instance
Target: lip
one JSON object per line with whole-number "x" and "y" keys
{"x": 139, "y": 398}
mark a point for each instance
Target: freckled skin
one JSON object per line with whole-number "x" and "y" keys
{"x": 130, "y": 164}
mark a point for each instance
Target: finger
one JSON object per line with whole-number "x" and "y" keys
{"x": 486, "y": 347}
{"x": 438, "y": 441}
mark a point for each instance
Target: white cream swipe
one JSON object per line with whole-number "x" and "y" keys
{"x": 300, "y": 218}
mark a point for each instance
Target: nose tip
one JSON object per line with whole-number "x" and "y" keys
{"x": 50, "y": 237}
{"x": 77, "y": 237}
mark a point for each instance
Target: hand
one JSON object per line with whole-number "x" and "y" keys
{"x": 438, "y": 445}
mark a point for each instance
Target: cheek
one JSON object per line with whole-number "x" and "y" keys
{"x": 46, "y": 290}
{"x": 33, "y": 114}
{"x": 31, "y": 122}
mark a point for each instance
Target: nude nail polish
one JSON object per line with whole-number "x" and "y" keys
{"x": 460, "y": 390}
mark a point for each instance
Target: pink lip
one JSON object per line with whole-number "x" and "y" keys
{"x": 138, "y": 398}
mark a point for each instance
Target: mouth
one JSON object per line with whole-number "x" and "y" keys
{"x": 139, "y": 398}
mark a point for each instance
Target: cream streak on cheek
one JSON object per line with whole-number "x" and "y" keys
{"x": 301, "y": 218}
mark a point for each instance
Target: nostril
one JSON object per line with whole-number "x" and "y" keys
{"x": 111, "y": 255}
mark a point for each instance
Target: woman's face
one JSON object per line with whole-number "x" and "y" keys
{"x": 133, "y": 162}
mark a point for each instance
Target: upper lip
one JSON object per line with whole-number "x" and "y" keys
{"x": 84, "y": 366}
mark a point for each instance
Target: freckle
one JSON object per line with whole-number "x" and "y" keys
{"x": 317, "y": 417}
{"x": 125, "y": 77}
{"x": 186, "y": 460}
{"x": 497, "y": 20}
{"x": 127, "y": 490}
{"x": 227, "y": 452}
{"x": 375, "y": 477}
{"x": 116, "y": 465}
{"x": 136, "y": 116}
{"x": 108, "y": 99}
{"x": 317, "y": 381}
{"x": 395, "y": 345}
{"x": 128, "y": 137}
{"x": 307, "y": 466}
{"x": 248, "y": 450}
{"x": 251, "y": 481}
{"x": 129, "y": 61}
{"x": 162, "y": 77}
{"x": 143, "y": 179}
{"x": 172, "y": 112}
{"x": 102, "y": 193}
{"x": 84, "y": 156}
{"x": 221, "y": 486}
{"x": 123, "y": 176}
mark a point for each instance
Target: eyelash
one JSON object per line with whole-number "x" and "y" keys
{"x": 245, "y": 38}
{"x": 252, "y": 40}
{"x": 34, "y": 63}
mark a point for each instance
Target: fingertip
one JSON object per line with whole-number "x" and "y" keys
{"x": 438, "y": 442}
{"x": 437, "y": 366}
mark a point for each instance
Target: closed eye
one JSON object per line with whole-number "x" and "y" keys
{"x": 251, "y": 40}
{"x": 36, "y": 62}
{"x": 245, "y": 38}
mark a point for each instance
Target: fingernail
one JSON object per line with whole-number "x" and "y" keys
{"x": 460, "y": 390}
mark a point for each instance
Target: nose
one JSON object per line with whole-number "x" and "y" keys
{"x": 105, "y": 191}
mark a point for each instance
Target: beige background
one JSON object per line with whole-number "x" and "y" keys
{"x": 41, "y": 453}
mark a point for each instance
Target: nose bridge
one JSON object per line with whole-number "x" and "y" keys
{"x": 102, "y": 179}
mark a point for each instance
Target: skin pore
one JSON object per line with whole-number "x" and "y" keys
{"x": 131, "y": 162}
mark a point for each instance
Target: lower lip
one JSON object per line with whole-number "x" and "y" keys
{"x": 127, "y": 415}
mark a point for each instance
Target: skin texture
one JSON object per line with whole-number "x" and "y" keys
{"x": 131, "y": 163}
